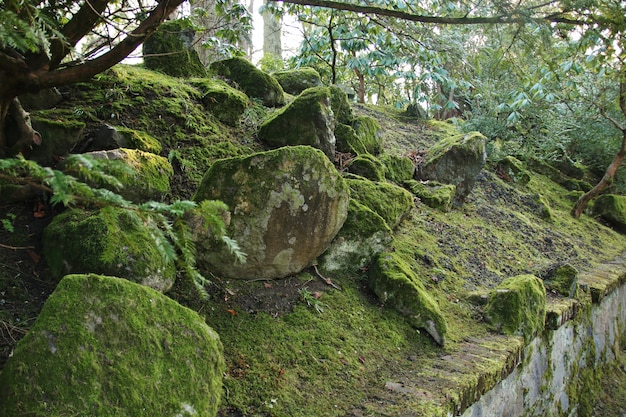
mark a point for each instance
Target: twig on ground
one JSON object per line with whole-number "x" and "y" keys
{"x": 16, "y": 247}
{"x": 328, "y": 281}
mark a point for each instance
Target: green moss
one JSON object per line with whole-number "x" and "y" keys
{"x": 518, "y": 306}
{"x": 367, "y": 166}
{"x": 389, "y": 201}
{"x": 347, "y": 139}
{"x": 111, "y": 242}
{"x": 223, "y": 101}
{"x": 513, "y": 169}
{"x": 433, "y": 194}
{"x": 305, "y": 121}
{"x": 395, "y": 284}
{"x": 340, "y": 105}
{"x": 562, "y": 279}
{"x": 137, "y": 139}
{"x": 252, "y": 81}
{"x": 169, "y": 50}
{"x": 297, "y": 80}
{"x": 107, "y": 347}
{"x": 368, "y": 131}
{"x": 397, "y": 168}
{"x": 467, "y": 141}
{"x": 611, "y": 208}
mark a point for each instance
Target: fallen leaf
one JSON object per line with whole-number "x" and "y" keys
{"x": 233, "y": 312}
{"x": 34, "y": 256}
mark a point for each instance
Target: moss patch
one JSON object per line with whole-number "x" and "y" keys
{"x": 612, "y": 208}
{"x": 433, "y": 194}
{"x": 105, "y": 346}
{"x": 389, "y": 201}
{"x": 367, "y": 166}
{"x": 368, "y": 131}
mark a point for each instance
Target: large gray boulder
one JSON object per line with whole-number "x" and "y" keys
{"x": 286, "y": 207}
{"x": 456, "y": 160}
{"x": 251, "y": 80}
{"x": 308, "y": 120}
{"x": 104, "y": 346}
{"x": 110, "y": 241}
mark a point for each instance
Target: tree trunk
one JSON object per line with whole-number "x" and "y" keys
{"x": 272, "y": 43}
{"x": 361, "y": 90}
{"x": 606, "y": 180}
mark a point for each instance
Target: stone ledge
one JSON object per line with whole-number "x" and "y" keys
{"x": 604, "y": 279}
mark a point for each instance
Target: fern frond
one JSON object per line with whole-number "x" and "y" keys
{"x": 233, "y": 247}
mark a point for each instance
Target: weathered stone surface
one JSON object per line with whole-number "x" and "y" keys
{"x": 389, "y": 201}
{"x": 396, "y": 285}
{"x": 44, "y": 99}
{"x": 364, "y": 235}
{"x": 433, "y": 194}
{"x": 143, "y": 175}
{"x": 456, "y": 160}
{"x": 398, "y": 169}
{"x": 367, "y": 166}
{"x": 251, "y": 80}
{"x": 169, "y": 50}
{"x": 513, "y": 170}
{"x": 297, "y": 80}
{"x": 562, "y": 279}
{"x": 109, "y": 137}
{"x": 368, "y": 130}
{"x": 340, "y": 104}
{"x": 111, "y": 242}
{"x": 308, "y": 120}
{"x": 104, "y": 346}
{"x": 347, "y": 139}
{"x": 58, "y": 138}
{"x": 286, "y": 207}
{"x": 518, "y": 306}
{"x": 611, "y": 208}
{"x": 221, "y": 100}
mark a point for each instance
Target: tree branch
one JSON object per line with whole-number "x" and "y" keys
{"x": 441, "y": 20}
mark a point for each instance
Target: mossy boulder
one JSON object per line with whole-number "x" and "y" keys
{"x": 364, "y": 235}
{"x": 397, "y": 286}
{"x": 221, "y": 100}
{"x": 398, "y": 169}
{"x": 562, "y": 279}
{"x": 518, "y": 306}
{"x": 103, "y": 346}
{"x": 611, "y": 208}
{"x": 110, "y": 241}
{"x": 389, "y": 201}
{"x": 432, "y": 193}
{"x": 369, "y": 133}
{"x": 251, "y": 80}
{"x": 367, "y": 166}
{"x": 308, "y": 120}
{"x": 341, "y": 105}
{"x": 457, "y": 160}
{"x": 347, "y": 139}
{"x": 43, "y": 99}
{"x": 512, "y": 169}
{"x": 143, "y": 175}
{"x": 109, "y": 137}
{"x": 59, "y": 136}
{"x": 169, "y": 50}
{"x": 286, "y": 207}
{"x": 297, "y": 80}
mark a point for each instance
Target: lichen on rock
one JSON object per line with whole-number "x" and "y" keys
{"x": 286, "y": 207}
{"x": 307, "y": 120}
{"x": 518, "y": 306}
{"x": 103, "y": 346}
{"x": 110, "y": 241}
{"x": 396, "y": 285}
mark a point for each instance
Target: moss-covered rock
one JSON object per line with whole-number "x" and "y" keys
{"x": 251, "y": 80}
{"x": 562, "y": 279}
{"x": 518, "y": 306}
{"x": 221, "y": 100}
{"x": 110, "y": 241}
{"x": 389, "y": 201}
{"x": 341, "y": 105}
{"x": 109, "y": 137}
{"x": 169, "y": 50}
{"x": 59, "y": 135}
{"x": 297, "y": 80}
{"x": 143, "y": 175}
{"x": 512, "y": 169}
{"x": 367, "y": 166}
{"x": 398, "y": 169}
{"x": 364, "y": 235}
{"x": 368, "y": 130}
{"x": 456, "y": 160}
{"x": 287, "y": 205}
{"x": 396, "y": 285}
{"x": 611, "y": 208}
{"x": 432, "y": 193}
{"x": 347, "y": 139}
{"x": 308, "y": 120}
{"x": 103, "y": 346}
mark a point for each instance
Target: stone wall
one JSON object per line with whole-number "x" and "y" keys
{"x": 559, "y": 367}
